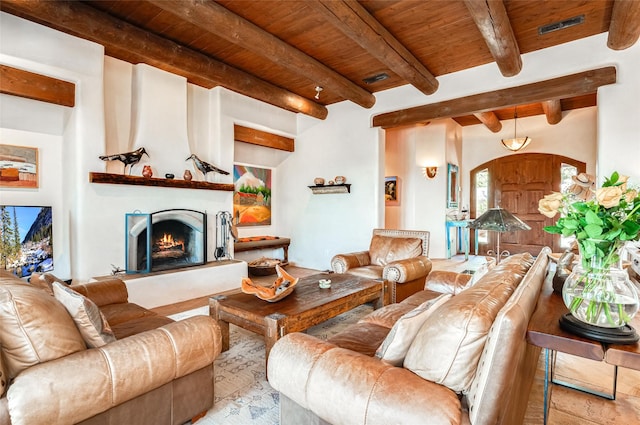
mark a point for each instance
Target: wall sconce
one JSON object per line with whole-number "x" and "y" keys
{"x": 430, "y": 172}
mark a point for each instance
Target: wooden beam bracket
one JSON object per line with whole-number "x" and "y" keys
{"x": 27, "y": 84}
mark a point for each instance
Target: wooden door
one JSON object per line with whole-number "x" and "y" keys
{"x": 517, "y": 183}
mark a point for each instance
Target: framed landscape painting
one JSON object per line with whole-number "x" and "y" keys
{"x": 251, "y": 196}
{"x": 18, "y": 166}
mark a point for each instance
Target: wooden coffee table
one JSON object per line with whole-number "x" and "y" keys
{"x": 307, "y": 306}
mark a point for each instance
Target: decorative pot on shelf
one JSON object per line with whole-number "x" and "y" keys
{"x": 147, "y": 172}
{"x": 187, "y": 175}
{"x": 318, "y": 181}
{"x": 597, "y": 292}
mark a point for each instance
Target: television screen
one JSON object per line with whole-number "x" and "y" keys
{"x": 26, "y": 239}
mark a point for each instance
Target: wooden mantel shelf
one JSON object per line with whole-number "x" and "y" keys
{"x": 143, "y": 181}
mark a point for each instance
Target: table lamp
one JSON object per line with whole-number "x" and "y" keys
{"x": 499, "y": 220}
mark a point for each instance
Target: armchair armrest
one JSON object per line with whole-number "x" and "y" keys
{"x": 402, "y": 271}
{"x": 104, "y": 292}
{"x": 341, "y": 386}
{"x": 81, "y": 385}
{"x": 343, "y": 262}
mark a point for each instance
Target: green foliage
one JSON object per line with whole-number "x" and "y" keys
{"x": 602, "y": 224}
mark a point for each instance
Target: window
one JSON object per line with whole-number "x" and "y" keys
{"x": 482, "y": 200}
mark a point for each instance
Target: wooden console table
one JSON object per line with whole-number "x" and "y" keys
{"x": 544, "y": 331}
{"x": 255, "y": 243}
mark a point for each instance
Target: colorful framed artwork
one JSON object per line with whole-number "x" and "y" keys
{"x": 251, "y": 195}
{"x": 18, "y": 166}
{"x": 391, "y": 190}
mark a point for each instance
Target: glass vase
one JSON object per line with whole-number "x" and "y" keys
{"x": 600, "y": 295}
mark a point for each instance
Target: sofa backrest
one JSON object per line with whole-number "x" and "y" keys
{"x": 422, "y": 245}
{"x": 500, "y": 389}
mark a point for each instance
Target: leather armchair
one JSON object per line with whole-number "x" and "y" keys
{"x": 398, "y": 256}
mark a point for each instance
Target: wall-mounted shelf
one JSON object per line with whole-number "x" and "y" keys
{"x": 331, "y": 188}
{"x": 143, "y": 181}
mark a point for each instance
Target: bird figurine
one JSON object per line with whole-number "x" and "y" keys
{"x": 128, "y": 158}
{"x": 205, "y": 167}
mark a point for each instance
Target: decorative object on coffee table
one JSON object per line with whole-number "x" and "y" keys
{"x": 127, "y": 158}
{"x": 598, "y": 292}
{"x": 283, "y": 286}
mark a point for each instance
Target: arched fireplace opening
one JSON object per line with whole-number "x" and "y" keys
{"x": 165, "y": 240}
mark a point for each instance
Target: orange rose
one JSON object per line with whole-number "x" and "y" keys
{"x": 630, "y": 195}
{"x": 609, "y": 197}
{"x": 550, "y": 204}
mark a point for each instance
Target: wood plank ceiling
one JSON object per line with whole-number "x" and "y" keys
{"x": 280, "y": 51}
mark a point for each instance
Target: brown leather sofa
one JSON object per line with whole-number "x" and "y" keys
{"x": 469, "y": 362}
{"x": 156, "y": 371}
{"x": 399, "y": 256}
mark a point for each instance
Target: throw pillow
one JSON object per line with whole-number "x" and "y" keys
{"x": 89, "y": 320}
{"x": 395, "y": 346}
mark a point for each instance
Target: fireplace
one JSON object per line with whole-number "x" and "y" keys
{"x": 164, "y": 240}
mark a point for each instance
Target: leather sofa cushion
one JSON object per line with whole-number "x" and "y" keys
{"x": 141, "y": 324}
{"x": 384, "y": 249}
{"x": 449, "y": 344}
{"x": 387, "y": 316}
{"x": 89, "y": 320}
{"x": 124, "y": 312}
{"x": 395, "y": 346}
{"x": 35, "y": 328}
{"x": 364, "y": 338}
{"x": 420, "y": 297}
{"x": 368, "y": 272}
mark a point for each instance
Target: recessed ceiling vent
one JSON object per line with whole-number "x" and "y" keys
{"x": 576, "y": 20}
{"x": 375, "y": 78}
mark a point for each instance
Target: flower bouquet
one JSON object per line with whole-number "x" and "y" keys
{"x": 602, "y": 220}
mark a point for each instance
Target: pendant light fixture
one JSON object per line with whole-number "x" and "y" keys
{"x": 516, "y": 143}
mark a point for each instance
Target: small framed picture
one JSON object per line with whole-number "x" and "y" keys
{"x": 18, "y": 166}
{"x": 391, "y": 195}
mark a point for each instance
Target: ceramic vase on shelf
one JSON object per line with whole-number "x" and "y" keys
{"x": 598, "y": 292}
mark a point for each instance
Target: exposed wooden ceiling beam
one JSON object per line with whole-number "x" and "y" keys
{"x": 624, "y": 28}
{"x": 553, "y": 110}
{"x": 21, "y": 83}
{"x": 490, "y": 120}
{"x": 220, "y": 21}
{"x": 491, "y": 19}
{"x": 356, "y": 23}
{"x": 557, "y": 88}
{"x": 119, "y": 36}
{"x": 262, "y": 138}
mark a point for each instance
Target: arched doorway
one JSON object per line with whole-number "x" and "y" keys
{"x": 516, "y": 183}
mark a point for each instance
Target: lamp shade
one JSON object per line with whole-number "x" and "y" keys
{"x": 499, "y": 220}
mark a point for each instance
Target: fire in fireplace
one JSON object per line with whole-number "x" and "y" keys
{"x": 165, "y": 240}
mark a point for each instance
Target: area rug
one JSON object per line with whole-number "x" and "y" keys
{"x": 242, "y": 394}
